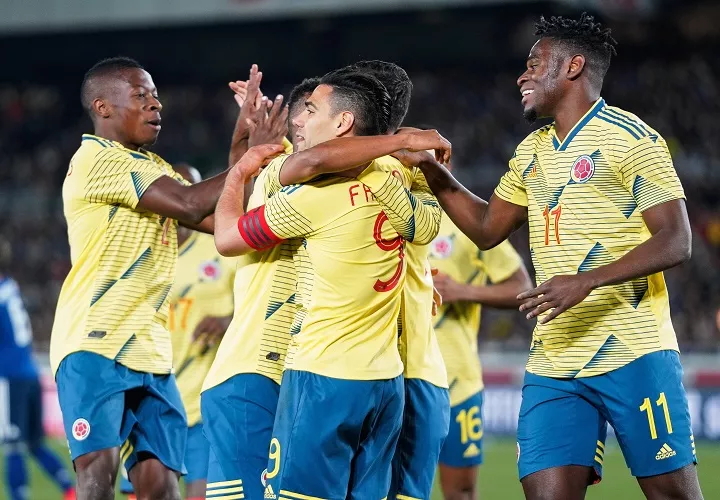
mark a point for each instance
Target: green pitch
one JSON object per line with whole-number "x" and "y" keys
{"x": 498, "y": 477}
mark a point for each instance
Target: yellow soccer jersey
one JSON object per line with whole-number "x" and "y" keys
{"x": 203, "y": 287}
{"x": 419, "y": 349}
{"x": 457, "y": 324}
{"x": 114, "y": 300}
{"x": 585, "y": 198}
{"x": 351, "y": 269}
{"x": 265, "y": 303}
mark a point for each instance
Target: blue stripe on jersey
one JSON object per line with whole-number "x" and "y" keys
{"x": 600, "y": 104}
{"x": 626, "y": 119}
{"x": 90, "y": 138}
{"x": 624, "y": 123}
{"x": 139, "y": 156}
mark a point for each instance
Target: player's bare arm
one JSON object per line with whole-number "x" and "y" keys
{"x": 502, "y": 295}
{"x": 486, "y": 223}
{"x": 211, "y": 329}
{"x": 669, "y": 246}
{"x": 230, "y": 207}
{"x": 344, "y": 153}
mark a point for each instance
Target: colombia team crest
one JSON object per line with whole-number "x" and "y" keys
{"x": 582, "y": 169}
{"x": 210, "y": 271}
{"x": 441, "y": 247}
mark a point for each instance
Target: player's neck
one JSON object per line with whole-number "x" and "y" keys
{"x": 108, "y": 133}
{"x": 569, "y": 112}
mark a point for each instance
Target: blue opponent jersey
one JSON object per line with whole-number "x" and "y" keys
{"x": 16, "y": 360}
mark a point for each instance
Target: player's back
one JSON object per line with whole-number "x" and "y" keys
{"x": 16, "y": 359}
{"x": 585, "y": 198}
{"x": 351, "y": 271}
{"x": 113, "y": 301}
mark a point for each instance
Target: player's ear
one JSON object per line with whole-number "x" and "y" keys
{"x": 345, "y": 123}
{"x": 576, "y": 66}
{"x": 101, "y": 108}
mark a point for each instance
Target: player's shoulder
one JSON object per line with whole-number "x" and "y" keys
{"x": 534, "y": 141}
{"x": 619, "y": 124}
{"x": 392, "y": 165}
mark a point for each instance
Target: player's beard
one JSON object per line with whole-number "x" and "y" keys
{"x": 530, "y": 115}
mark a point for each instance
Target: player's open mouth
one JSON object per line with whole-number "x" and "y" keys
{"x": 525, "y": 94}
{"x": 155, "y": 124}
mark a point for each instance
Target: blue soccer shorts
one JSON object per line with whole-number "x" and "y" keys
{"x": 564, "y": 421}
{"x": 464, "y": 444}
{"x": 105, "y": 404}
{"x": 239, "y": 415}
{"x": 334, "y": 438}
{"x": 426, "y": 419}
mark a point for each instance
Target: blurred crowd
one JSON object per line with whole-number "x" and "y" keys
{"x": 40, "y": 128}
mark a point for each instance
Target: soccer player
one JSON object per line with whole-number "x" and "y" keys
{"x": 464, "y": 272}
{"x": 341, "y": 398}
{"x": 607, "y": 215}
{"x": 110, "y": 349}
{"x": 427, "y": 405}
{"x": 21, "y": 426}
{"x": 201, "y": 306}
{"x": 239, "y": 395}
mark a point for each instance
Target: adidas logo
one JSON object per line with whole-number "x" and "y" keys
{"x": 665, "y": 452}
{"x": 269, "y": 493}
{"x": 471, "y": 451}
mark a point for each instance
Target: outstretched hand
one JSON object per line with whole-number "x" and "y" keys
{"x": 269, "y": 124}
{"x": 248, "y": 96}
{"x": 559, "y": 293}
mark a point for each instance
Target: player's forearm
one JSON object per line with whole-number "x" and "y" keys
{"x": 665, "y": 249}
{"x": 465, "y": 209}
{"x": 230, "y": 208}
{"x": 338, "y": 155}
{"x": 207, "y": 225}
{"x": 501, "y": 295}
{"x": 202, "y": 198}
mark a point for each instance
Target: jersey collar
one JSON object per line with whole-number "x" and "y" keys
{"x": 594, "y": 110}
{"x": 141, "y": 154}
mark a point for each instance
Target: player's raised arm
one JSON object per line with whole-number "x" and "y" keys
{"x": 345, "y": 153}
{"x": 230, "y": 207}
{"x": 486, "y": 223}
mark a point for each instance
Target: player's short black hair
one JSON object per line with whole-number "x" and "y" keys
{"x": 362, "y": 94}
{"x": 583, "y": 35}
{"x": 100, "y": 69}
{"x": 297, "y": 94}
{"x": 396, "y": 81}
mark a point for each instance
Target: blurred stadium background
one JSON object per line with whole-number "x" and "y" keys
{"x": 463, "y": 56}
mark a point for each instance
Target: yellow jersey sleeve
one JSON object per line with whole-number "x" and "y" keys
{"x": 648, "y": 173}
{"x": 406, "y": 199}
{"x": 511, "y": 187}
{"x": 287, "y": 145}
{"x": 271, "y": 175}
{"x": 121, "y": 177}
{"x": 289, "y": 213}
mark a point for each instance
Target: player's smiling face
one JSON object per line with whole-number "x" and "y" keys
{"x": 136, "y": 107}
{"x": 539, "y": 84}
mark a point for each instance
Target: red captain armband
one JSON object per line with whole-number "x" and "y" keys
{"x": 255, "y": 231}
